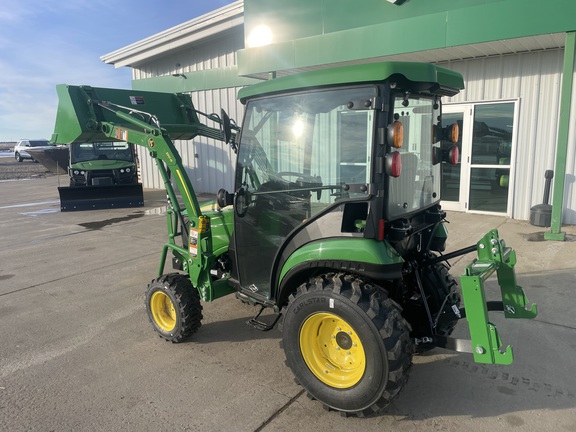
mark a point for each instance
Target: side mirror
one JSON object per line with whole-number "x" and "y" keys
{"x": 224, "y": 199}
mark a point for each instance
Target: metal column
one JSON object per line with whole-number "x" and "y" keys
{"x": 562, "y": 145}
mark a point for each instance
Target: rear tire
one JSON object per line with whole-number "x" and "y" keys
{"x": 347, "y": 343}
{"x": 173, "y": 307}
{"x": 442, "y": 291}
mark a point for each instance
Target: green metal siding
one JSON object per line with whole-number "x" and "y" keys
{"x": 308, "y": 33}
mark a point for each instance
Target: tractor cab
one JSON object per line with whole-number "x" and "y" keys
{"x": 333, "y": 161}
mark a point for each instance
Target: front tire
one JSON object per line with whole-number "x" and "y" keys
{"x": 173, "y": 307}
{"x": 347, "y": 343}
{"x": 18, "y": 157}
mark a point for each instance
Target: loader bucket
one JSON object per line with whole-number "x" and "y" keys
{"x": 81, "y": 112}
{"x": 54, "y": 159}
{"x": 100, "y": 197}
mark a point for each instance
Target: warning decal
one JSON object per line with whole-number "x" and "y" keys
{"x": 137, "y": 100}
{"x": 121, "y": 134}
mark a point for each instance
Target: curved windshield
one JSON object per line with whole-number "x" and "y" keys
{"x": 101, "y": 151}
{"x": 313, "y": 145}
{"x": 418, "y": 185}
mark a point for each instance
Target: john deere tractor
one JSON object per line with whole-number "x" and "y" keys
{"x": 334, "y": 224}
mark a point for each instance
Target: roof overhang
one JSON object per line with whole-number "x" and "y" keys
{"x": 192, "y": 32}
{"x": 259, "y": 65}
{"x": 487, "y": 49}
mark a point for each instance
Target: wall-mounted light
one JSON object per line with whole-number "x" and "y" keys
{"x": 261, "y": 35}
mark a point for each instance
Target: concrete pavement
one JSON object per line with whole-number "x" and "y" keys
{"x": 77, "y": 352}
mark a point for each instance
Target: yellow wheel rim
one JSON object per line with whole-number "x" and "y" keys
{"x": 163, "y": 311}
{"x": 332, "y": 350}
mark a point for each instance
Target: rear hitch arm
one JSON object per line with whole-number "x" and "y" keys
{"x": 493, "y": 256}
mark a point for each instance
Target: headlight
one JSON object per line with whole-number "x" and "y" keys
{"x": 121, "y": 170}
{"x": 82, "y": 172}
{"x": 127, "y": 170}
{"x": 76, "y": 172}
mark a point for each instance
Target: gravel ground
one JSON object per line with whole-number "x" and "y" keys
{"x": 12, "y": 170}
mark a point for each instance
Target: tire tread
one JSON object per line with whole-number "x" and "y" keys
{"x": 188, "y": 304}
{"x": 386, "y": 316}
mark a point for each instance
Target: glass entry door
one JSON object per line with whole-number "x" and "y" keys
{"x": 455, "y": 177}
{"x": 480, "y": 182}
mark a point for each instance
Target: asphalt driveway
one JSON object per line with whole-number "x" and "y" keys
{"x": 77, "y": 352}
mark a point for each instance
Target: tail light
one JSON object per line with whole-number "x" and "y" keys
{"x": 393, "y": 164}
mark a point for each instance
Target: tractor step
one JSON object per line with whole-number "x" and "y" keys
{"x": 261, "y": 325}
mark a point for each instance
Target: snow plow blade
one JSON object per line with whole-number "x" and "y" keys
{"x": 100, "y": 197}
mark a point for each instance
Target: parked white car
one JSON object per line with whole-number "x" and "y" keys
{"x": 20, "y": 152}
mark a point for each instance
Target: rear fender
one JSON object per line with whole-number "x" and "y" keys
{"x": 368, "y": 258}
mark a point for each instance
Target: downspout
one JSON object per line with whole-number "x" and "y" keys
{"x": 562, "y": 144}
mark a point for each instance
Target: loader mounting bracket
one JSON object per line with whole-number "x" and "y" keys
{"x": 493, "y": 256}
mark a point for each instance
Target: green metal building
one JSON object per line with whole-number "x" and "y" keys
{"x": 517, "y": 58}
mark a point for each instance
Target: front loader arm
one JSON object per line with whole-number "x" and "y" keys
{"x": 160, "y": 147}
{"x": 152, "y": 120}
{"x": 148, "y": 119}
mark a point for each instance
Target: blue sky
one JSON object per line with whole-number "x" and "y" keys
{"x": 49, "y": 42}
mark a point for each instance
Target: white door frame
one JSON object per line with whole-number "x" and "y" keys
{"x": 467, "y": 110}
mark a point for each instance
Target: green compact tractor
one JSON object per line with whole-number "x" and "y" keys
{"x": 334, "y": 224}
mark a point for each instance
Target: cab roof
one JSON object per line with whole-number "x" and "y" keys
{"x": 429, "y": 77}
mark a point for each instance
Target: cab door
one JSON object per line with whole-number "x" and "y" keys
{"x": 299, "y": 155}
{"x": 269, "y": 204}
